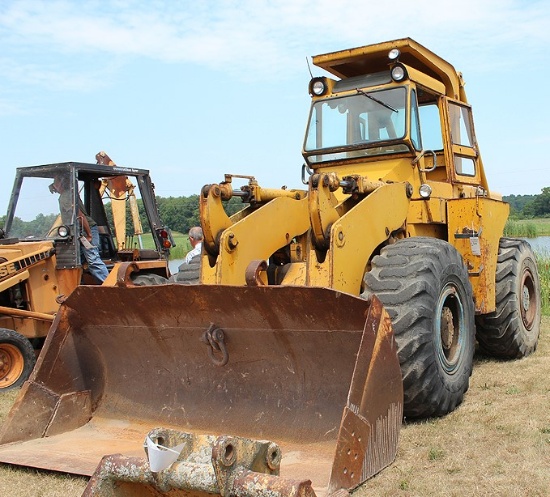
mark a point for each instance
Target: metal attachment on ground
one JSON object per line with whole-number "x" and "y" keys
{"x": 207, "y": 465}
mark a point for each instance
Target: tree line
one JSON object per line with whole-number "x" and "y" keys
{"x": 182, "y": 213}
{"x": 177, "y": 213}
{"x": 529, "y": 206}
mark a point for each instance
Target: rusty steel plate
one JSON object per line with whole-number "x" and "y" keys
{"x": 273, "y": 363}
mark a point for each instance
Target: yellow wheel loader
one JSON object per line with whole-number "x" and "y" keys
{"x": 323, "y": 316}
{"x": 40, "y": 257}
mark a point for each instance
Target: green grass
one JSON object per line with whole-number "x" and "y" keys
{"x": 182, "y": 245}
{"x": 543, "y": 264}
{"x": 521, "y": 229}
{"x": 178, "y": 252}
{"x": 527, "y": 228}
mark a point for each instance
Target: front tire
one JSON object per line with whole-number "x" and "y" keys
{"x": 512, "y": 331}
{"x": 17, "y": 359}
{"x": 423, "y": 284}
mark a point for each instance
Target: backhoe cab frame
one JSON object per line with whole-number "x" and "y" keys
{"x": 40, "y": 257}
{"x": 90, "y": 183}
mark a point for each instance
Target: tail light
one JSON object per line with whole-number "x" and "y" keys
{"x": 164, "y": 238}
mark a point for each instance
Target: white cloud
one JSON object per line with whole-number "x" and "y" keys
{"x": 265, "y": 35}
{"x": 70, "y": 45}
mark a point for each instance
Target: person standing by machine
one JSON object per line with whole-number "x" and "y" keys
{"x": 189, "y": 269}
{"x": 89, "y": 239}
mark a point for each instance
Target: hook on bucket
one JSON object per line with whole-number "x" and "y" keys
{"x": 215, "y": 338}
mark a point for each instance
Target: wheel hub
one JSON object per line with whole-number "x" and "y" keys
{"x": 11, "y": 364}
{"x": 447, "y": 328}
{"x": 525, "y": 299}
{"x": 5, "y": 363}
{"x": 527, "y": 304}
{"x": 450, "y": 329}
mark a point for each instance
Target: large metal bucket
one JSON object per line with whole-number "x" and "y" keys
{"x": 311, "y": 369}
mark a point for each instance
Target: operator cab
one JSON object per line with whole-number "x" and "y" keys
{"x": 391, "y": 104}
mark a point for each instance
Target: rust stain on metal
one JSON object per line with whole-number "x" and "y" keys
{"x": 123, "y": 375}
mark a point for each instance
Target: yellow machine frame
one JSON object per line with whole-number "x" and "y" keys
{"x": 386, "y": 202}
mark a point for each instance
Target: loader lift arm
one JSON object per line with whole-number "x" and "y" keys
{"x": 121, "y": 190}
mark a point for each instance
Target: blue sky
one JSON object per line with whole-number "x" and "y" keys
{"x": 195, "y": 89}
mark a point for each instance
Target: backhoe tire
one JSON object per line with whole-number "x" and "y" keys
{"x": 512, "y": 331}
{"x": 17, "y": 359}
{"x": 423, "y": 284}
{"x": 149, "y": 279}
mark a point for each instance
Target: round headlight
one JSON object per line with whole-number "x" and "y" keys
{"x": 63, "y": 231}
{"x": 318, "y": 87}
{"x": 394, "y": 54}
{"x": 398, "y": 73}
{"x": 425, "y": 190}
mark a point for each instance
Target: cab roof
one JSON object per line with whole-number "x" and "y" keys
{"x": 47, "y": 170}
{"x": 374, "y": 58}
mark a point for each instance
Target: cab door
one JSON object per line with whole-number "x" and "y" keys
{"x": 466, "y": 161}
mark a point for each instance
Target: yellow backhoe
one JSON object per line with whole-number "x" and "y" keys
{"x": 40, "y": 258}
{"x": 323, "y": 316}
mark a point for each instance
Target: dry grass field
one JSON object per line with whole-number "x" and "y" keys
{"x": 497, "y": 443}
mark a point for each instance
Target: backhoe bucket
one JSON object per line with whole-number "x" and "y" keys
{"x": 236, "y": 376}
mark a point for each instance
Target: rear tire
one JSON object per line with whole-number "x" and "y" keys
{"x": 512, "y": 331}
{"x": 149, "y": 279}
{"x": 188, "y": 273}
{"x": 423, "y": 284}
{"x": 17, "y": 359}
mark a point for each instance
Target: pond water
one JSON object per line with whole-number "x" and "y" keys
{"x": 540, "y": 244}
{"x": 174, "y": 264}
